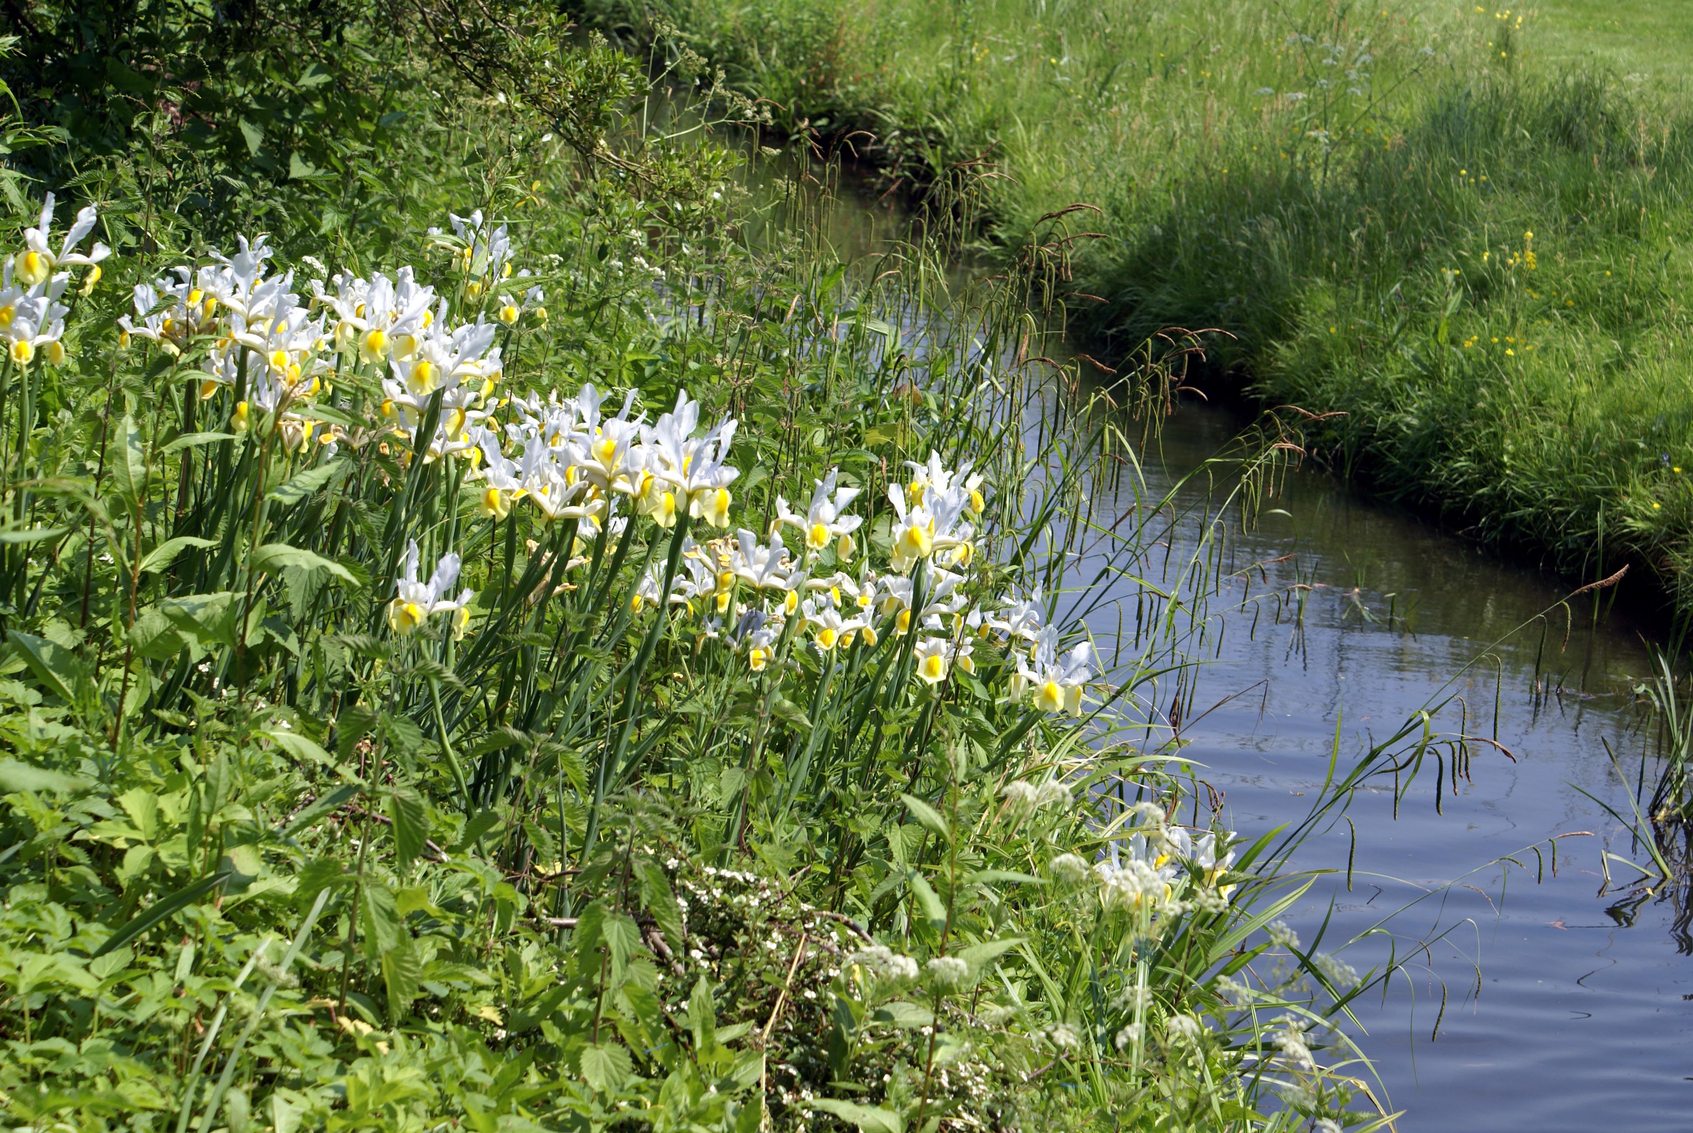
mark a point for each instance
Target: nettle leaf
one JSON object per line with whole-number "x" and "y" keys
{"x": 659, "y": 900}
{"x": 353, "y": 725}
{"x": 410, "y": 823}
{"x": 165, "y": 553}
{"x": 59, "y": 670}
{"x": 129, "y": 469}
{"x": 402, "y": 976}
{"x": 868, "y": 1118}
{"x": 928, "y": 816}
{"x": 622, "y": 938}
{"x": 301, "y": 487}
{"x": 281, "y": 556}
{"x": 379, "y": 919}
{"x": 606, "y": 1067}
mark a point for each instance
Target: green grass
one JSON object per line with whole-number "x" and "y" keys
{"x": 1654, "y": 41}
{"x": 1338, "y": 199}
{"x": 299, "y": 832}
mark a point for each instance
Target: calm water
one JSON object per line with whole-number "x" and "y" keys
{"x": 1577, "y": 1022}
{"x": 1552, "y": 1014}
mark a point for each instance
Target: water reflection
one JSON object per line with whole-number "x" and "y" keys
{"x": 1347, "y": 620}
{"x": 1331, "y": 623}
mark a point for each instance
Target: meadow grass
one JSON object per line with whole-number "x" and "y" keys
{"x": 1423, "y": 225}
{"x": 1641, "y": 41}
{"x": 510, "y": 650}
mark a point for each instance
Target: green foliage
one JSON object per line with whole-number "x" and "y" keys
{"x": 1339, "y": 199}
{"x": 296, "y": 837}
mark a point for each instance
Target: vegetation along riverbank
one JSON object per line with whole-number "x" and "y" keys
{"x": 487, "y": 647}
{"x": 1456, "y": 234}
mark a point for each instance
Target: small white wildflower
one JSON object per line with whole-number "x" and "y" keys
{"x": 1281, "y": 935}
{"x": 1021, "y": 798}
{"x": 1182, "y": 1029}
{"x": 947, "y": 973}
{"x": 1052, "y": 793}
{"x": 1069, "y": 869}
{"x": 884, "y": 963}
{"x": 1063, "y": 1036}
{"x": 1290, "y": 1040}
{"x": 1340, "y": 975}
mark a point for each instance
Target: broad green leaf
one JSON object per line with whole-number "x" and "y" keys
{"x": 301, "y": 487}
{"x": 928, "y": 898}
{"x": 210, "y": 618}
{"x": 868, "y": 1118}
{"x": 410, "y": 819}
{"x": 982, "y": 956}
{"x": 31, "y": 535}
{"x": 142, "y": 806}
{"x": 253, "y": 135}
{"x": 17, "y": 776}
{"x": 129, "y": 464}
{"x": 194, "y": 440}
{"x": 927, "y": 815}
{"x": 299, "y": 747}
{"x": 154, "y": 636}
{"x": 165, "y": 553}
{"x": 58, "y": 669}
{"x": 606, "y": 1067}
{"x": 702, "y": 1016}
{"x": 905, "y": 1015}
{"x": 280, "y": 556}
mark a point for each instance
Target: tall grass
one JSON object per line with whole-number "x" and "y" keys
{"x": 1412, "y": 220}
{"x": 410, "y": 715}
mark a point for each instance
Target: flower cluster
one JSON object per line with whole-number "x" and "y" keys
{"x": 279, "y": 351}
{"x": 572, "y": 458}
{"x": 578, "y": 458}
{"x": 1157, "y": 868}
{"x": 34, "y": 281}
{"x": 414, "y": 601}
{"x": 799, "y": 587}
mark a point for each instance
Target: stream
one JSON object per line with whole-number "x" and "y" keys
{"x": 1552, "y": 1013}
{"x": 1539, "y": 1003}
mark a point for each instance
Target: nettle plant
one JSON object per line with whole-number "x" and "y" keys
{"x": 377, "y": 667}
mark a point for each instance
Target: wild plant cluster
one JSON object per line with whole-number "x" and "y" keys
{"x": 1426, "y": 225}
{"x": 589, "y": 675}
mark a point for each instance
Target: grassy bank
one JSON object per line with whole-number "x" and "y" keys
{"x": 500, "y": 652}
{"x": 1430, "y": 227}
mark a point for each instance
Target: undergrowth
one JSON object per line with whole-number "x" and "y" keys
{"x": 502, "y": 651}
{"x": 1462, "y": 255}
